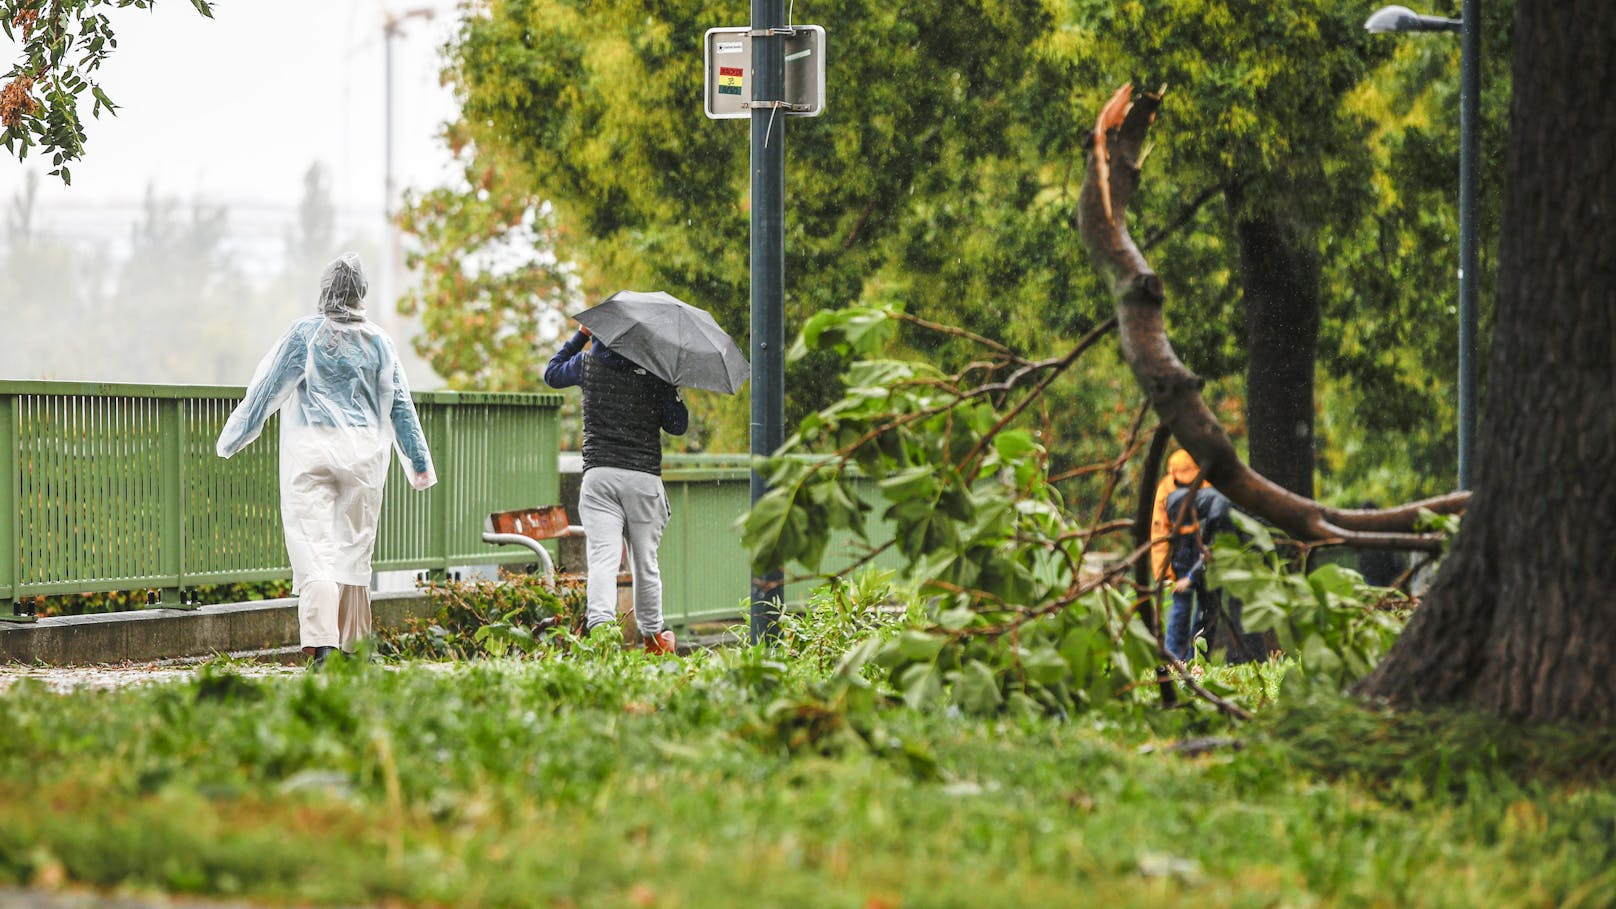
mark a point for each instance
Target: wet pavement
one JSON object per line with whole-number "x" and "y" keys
{"x": 11, "y": 898}
{"x": 75, "y": 678}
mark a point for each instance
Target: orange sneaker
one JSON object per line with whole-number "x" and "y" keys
{"x": 660, "y": 643}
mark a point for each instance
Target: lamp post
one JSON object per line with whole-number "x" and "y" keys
{"x": 1402, "y": 19}
{"x": 768, "y": 162}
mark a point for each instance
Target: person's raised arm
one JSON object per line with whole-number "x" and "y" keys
{"x": 566, "y": 368}
{"x": 407, "y": 433}
{"x": 272, "y": 383}
{"x": 675, "y": 416}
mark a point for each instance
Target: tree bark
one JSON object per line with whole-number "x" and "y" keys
{"x": 1522, "y": 619}
{"x": 1279, "y": 268}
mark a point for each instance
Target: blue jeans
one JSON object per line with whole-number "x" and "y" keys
{"x": 1197, "y": 603}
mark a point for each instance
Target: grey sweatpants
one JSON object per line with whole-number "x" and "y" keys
{"x": 618, "y": 505}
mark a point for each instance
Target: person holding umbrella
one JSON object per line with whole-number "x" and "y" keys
{"x": 645, "y": 346}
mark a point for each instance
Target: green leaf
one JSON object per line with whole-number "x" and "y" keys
{"x": 919, "y": 646}
{"x": 1261, "y": 615}
{"x": 1014, "y": 444}
{"x": 976, "y": 690}
{"x": 1318, "y": 659}
{"x": 774, "y": 529}
{"x": 922, "y": 685}
{"x": 1079, "y": 651}
{"x": 1255, "y": 529}
{"x": 1332, "y": 583}
{"x": 1044, "y": 666}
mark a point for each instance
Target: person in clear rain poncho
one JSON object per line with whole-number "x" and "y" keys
{"x": 345, "y": 405}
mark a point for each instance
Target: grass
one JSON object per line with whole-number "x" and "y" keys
{"x": 607, "y": 779}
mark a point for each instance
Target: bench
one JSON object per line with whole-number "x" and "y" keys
{"x": 530, "y": 527}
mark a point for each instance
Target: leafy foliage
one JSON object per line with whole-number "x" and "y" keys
{"x": 1390, "y": 326}
{"x": 122, "y": 600}
{"x": 490, "y": 285}
{"x": 1014, "y": 621}
{"x": 514, "y": 616}
{"x": 1027, "y": 610}
{"x": 841, "y": 614}
{"x": 899, "y": 196}
{"x": 1334, "y": 624}
{"x": 895, "y": 192}
{"x": 62, "y": 44}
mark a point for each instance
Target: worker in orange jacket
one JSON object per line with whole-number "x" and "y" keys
{"x": 1181, "y": 471}
{"x": 1166, "y": 533}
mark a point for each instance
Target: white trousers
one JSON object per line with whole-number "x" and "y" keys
{"x": 333, "y": 615}
{"x": 618, "y": 505}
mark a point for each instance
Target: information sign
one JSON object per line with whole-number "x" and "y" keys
{"x": 727, "y": 90}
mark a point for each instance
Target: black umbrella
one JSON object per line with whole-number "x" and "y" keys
{"x": 670, "y": 338}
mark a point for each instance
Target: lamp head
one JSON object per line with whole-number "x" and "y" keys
{"x": 1402, "y": 19}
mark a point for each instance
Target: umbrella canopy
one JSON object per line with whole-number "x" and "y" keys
{"x": 673, "y": 340}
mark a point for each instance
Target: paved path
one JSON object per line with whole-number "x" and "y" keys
{"x": 88, "y": 899}
{"x": 73, "y": 678}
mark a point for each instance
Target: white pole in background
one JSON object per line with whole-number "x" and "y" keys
{"x": 384, "y": 309}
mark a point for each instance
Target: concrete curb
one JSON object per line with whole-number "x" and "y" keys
{"x": 168, "y": 634}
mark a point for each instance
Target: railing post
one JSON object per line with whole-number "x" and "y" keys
{"x": 10, "y": 516}
{"x": 171, "y": 487}
{"x": 439, "y": 541}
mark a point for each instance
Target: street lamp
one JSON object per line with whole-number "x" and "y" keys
{"x": 1402, "y": 19}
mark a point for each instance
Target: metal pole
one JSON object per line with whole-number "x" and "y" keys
{"x": 384, "y": 312}
{"x": 390, "y": 30}
{"x": 1469, "y": 127}
{"x": 768, "y": 281}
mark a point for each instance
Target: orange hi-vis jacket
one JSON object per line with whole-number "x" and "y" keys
{"x": 1181, "y": 471}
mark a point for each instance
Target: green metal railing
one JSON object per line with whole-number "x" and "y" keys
{"x": 706, "y": 575}
{"x": 117, "y": 487}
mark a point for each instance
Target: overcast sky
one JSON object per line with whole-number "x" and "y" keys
{"x": 234, "y": 109}
{"x": 231, "y": 111}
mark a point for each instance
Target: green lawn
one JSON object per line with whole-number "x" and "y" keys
{"x": 601, "y": 778}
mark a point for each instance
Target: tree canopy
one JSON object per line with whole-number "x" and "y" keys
{"x": 941, "y": 179}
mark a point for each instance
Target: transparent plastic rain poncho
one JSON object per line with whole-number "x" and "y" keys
{"x": 345, "y": 405}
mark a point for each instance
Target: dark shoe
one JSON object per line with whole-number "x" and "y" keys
{"x": 321, "y": 654}
{"x": 660, "y": 643}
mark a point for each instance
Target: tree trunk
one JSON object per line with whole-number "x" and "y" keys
{"x": 1522, "y": 620}
{"x": 1279, "y": 269}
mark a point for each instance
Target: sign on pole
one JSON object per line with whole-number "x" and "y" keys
{"x": 727, "y": 91}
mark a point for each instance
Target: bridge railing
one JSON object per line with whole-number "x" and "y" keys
{"x": 706, "y": 572}
{"x": 116, "y": 487}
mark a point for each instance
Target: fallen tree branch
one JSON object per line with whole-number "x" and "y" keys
{"x": 1110, "y": 178}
